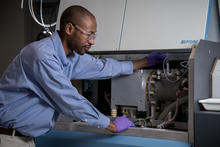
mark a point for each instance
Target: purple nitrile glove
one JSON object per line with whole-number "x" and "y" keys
{"x": 155, "y": 58}
{"x": 122, "y": 123}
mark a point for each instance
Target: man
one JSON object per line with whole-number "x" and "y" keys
{"x": 36, "y": 87}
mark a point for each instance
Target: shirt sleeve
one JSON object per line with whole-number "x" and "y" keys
{"x": 62, "y": 96}
{"x": 88, "y": 67}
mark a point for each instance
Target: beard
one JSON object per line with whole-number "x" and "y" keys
{"x": 74, "y": 45}
{"x": 82, "y": 49}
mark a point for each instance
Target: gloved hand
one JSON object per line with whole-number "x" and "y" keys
{"x": 155, "y": 58}
{"x": 122, "y": 123}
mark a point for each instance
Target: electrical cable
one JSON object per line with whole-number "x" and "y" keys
{"x": 30, "y": 6}
{"x": 166, "y": 123}
{"x": 182, "y": 64}
{"x": 41, "y": 13}
{"x": 22, "y": 4}
{"x": 47, "y": 30}
{"x": 166, "y": 76}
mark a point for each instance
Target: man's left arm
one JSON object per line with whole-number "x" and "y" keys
{"x": 142, "y": 63}
{"x": 151, "y": 60}
{"x": 88, "y": 67}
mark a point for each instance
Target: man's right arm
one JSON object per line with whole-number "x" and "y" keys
{"x": 120, "y": 124}
{"x": 112, "y": 127}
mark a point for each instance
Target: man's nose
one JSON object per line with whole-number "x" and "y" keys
{"x": 91, "y": 41}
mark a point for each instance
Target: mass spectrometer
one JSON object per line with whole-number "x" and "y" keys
{"x": 159, "y": 100}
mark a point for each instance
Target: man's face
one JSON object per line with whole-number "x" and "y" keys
{"x": 82, "y": 37}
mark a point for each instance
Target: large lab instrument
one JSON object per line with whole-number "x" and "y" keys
{"x": 162, "y": 101}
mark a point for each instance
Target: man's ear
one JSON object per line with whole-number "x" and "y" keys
{"x": 69, "y": 29}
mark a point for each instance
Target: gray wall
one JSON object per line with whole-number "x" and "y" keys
{"x": 18, "y": 28}
{"x": 12, "y": 29}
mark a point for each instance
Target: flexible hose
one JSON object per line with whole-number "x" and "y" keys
{"x": 30, "y": 6}
{"x": 171, "y": 107}
{"x": 166, "y": 76}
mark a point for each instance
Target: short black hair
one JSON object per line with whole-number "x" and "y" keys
{"x": 73, "y": 14}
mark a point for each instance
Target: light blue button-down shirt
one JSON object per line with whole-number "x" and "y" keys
{"x": 36, "y": 87}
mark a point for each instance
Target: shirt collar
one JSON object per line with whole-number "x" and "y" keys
{"x": 59, "y": 48}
